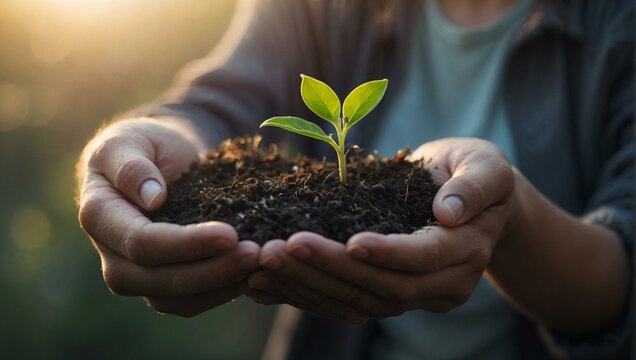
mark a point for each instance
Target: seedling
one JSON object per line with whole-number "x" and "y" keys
{"x": 324, "y": 102}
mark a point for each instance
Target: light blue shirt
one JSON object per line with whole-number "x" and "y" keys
{"x": 453, "y": 89}
{"x": 453, "y": 84}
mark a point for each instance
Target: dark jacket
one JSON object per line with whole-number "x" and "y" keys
{"x": 568, "y": 90}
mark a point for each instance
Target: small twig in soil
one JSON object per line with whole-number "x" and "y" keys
{"x": 236, "y": 176}
{"x": 408, "y": 183}
{"x": 355, "y": 148}
{"x": 327, "y": 177}
{"x": 307, "y": 179}
{"x": 374, "y": 208}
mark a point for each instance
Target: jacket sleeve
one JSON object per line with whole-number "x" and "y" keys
{"x": 612, "y": 201}
{"x": 251, "y": 75}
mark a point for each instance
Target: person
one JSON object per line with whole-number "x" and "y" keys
{"x": 525, "y": 112}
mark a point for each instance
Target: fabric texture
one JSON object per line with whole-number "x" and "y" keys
{"x": 567, "y": 85}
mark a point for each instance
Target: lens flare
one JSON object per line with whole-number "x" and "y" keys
{"x": 14, "y": 106}
{"x": 30, "y": 228}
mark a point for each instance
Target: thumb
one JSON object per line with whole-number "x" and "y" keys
{"x": 128, "y": 166}
{"x": 471, "y": 189}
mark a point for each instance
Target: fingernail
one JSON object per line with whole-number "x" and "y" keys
{"x": 301, "y": 252}
{"x": 273, "y": 263}
{"x": 454, "y": 206}
{"x": 149, "y": 191}
{"x": 359, "y": 252}
{"x": 259, "y": 283}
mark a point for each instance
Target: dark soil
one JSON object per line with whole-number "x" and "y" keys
{"x": 266, "y": 195}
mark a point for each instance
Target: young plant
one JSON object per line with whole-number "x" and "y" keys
{"x": 324, "y": 102}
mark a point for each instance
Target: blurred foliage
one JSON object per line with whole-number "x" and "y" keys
{"x": 66, "y": 66}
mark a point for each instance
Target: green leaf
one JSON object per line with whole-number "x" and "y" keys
{"x": 299, "y": 126}
{"x": 319, "y": 97}
{"x": 362, "y": 100}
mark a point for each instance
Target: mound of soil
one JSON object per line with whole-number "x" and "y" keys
{"x": 266, "y": 195}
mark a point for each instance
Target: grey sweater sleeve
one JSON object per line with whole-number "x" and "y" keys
{"x": 251, "y": 75}
{"x": 254, "y": 72}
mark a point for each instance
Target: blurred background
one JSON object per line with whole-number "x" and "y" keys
{"x": 66, "y": 66}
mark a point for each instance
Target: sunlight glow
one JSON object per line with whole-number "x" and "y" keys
{"x": 30, "y": 228}
{"x": 49, "y": 46}
{"x": 45, "y": 103}
{"x": 87, "y": 6}
{"x": 81, "y": 3}
{"x": 93, "y": 10}
{"x": 14, "y": 106}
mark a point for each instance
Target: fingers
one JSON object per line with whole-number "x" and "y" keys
{"x": 304, "y": 297}
{"x": 330, "y": 257}
{"x": 179, "y": 280}
{"x": 432, "y": 249}
{"x": 474, "y": 175}
{"x": 336, "y": 282}
{"x": 127, "y": 162}
{"x": 473, "y": 187}
{"x": 425, "y": 251}
{"x": 189, "y": 306}
{"x": 387, "y": 286}
{"x": 275, "y": 258}
{"x": 113, "y": 221}
{"x": 260, "y": 288}
{"x": 121, "y": 160}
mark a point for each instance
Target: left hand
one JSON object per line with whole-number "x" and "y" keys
{"x": 376, "y": 276}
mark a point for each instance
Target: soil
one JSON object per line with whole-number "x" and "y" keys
{"x": 266, "y": 195}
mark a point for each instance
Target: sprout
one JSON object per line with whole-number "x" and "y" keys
{"x": 324, "y": 102}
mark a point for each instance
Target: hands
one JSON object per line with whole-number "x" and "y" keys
{"x": 488, "y": 214}
{"x": 183, "y": 270}
{"x": 189, "y": 269}
{"x": 376, "y": 276}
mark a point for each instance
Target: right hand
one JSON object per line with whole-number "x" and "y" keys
{"x": 182, "y": 270}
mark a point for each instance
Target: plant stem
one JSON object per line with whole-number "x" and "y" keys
{"x": 342, "y": 167}
{"x": 342, "y": 157}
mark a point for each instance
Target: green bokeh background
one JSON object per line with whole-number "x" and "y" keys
{"x": 66, "y": 67}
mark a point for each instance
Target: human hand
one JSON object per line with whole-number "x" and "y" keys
{"x": 182, "y": 270}
{"x": 375, "y": 276}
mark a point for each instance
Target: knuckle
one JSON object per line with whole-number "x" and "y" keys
{"x": 404, "y": 293}
{"x": 115, "y": 281}
{"x": 480, "y": 257}
{"x": 127, "y": 173}
{"x": 179, "y": 285}
{"x": 88, "y": 213}
{"x": 135, "y": 248}
{"x": 431, "y": 259}
{"x": 461, "y": 296}
{"x": 473, "y": 191}
{"x": 354, "y": 298}
{"x": 103, "y": 148}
